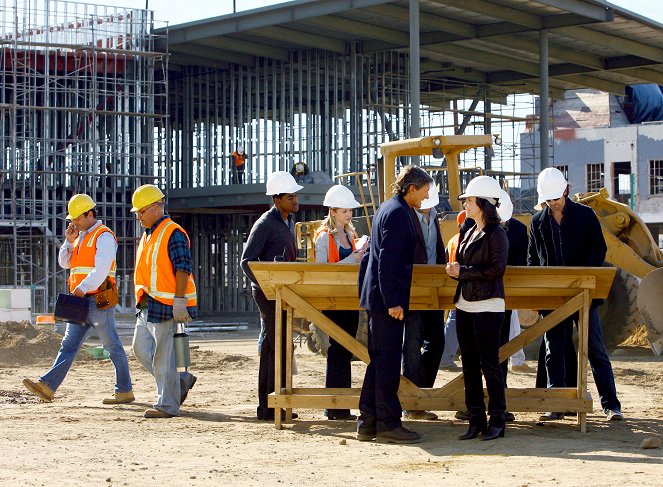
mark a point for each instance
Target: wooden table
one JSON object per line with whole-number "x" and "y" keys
{"x": 309, "y": 288}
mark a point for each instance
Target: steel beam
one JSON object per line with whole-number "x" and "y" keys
{"x": 258, "y": 18}
{"x": 360, "y": 29}
{"x": 620, "y": 44}
{"x": 303, "y": 38}
{"x": 252, "y": 48}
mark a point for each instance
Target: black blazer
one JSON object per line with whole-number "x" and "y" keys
{"x": 482, "y": 264}
{"x": 385, "y": 275}
{"x": 420, "y": 252}
{"x": 516, "y": 232}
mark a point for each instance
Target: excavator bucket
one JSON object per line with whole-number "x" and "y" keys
{"x": 651, "y": 307}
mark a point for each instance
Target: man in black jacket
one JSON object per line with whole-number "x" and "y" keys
{"x": 423, "y": 343}
{"x": 565, "y": 233}
{"x": 385, "y": 280}
{"x": 272, "y": 238}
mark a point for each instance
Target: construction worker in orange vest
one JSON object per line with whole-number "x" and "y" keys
{"x": 165, "y": 296}
{"x": 89, "y": 253}
{"x": 238, "y": 164}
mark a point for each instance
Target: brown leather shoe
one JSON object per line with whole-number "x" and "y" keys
{"x": 40, "y": 389}
{"x": 156, "y": 413}
{"x": 120, "y": 398}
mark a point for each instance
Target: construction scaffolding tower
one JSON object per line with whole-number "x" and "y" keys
{"x": 82, "y": 92}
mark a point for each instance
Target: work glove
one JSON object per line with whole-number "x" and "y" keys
{"x": 180, "y": 313}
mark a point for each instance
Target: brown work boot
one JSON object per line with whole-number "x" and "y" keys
{"x": 40, "y": 389}
{"x": 156, "y": 413}
{"x": 120, "y": 398}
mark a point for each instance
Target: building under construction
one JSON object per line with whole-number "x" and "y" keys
{"x": 81, "y": 90}
{"x": 98, "y": 100}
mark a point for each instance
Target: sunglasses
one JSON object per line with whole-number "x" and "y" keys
{"x": 144, "y": 210}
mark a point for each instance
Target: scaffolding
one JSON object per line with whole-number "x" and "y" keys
{"x": 83, "y": 103}
{"x": 82, "y": 91}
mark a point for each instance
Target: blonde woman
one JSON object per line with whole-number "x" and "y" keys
{"x": 335, "y": 242}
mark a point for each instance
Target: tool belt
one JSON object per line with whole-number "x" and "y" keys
{"x": 72, "y": 309}
{"x": 107, "y": 296}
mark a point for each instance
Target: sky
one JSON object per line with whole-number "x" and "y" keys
{"x": 180, "y": 11}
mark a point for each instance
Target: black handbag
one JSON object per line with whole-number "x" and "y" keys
{"x": 71, "y": 309}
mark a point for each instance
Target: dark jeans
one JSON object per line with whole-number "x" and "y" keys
{"x": 423, "y": 346}
{"x": 556, "y": 344}
{"x": 379, "y": 404}
{"x": 479, "y": 340}
{"x": 266, "y": 372}
{"x": 338, "y": 358}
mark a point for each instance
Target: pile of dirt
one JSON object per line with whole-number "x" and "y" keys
{"x": 208, "y": 360}
{"x": 23, "y": 344}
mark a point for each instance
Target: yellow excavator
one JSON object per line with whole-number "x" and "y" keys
{"x": 636, "y": 297}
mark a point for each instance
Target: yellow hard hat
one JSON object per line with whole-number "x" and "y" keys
{"x": 79, "y": 204}
{"x": 146, "y": 195}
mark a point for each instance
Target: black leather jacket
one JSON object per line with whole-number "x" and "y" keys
{"x": 482, "y": 264}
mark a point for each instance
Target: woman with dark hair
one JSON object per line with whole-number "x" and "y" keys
{"x": 481, "y": 261}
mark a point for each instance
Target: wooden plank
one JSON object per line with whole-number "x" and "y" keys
{"x": 519, "y": 281}
{"x": 278, "y": 346}
{"x": 541, "y": 326}
{"x": 342, "y": 337}
{"x": 328, "y": 326}
{"x": 289, "y": 355}
{"x": 518, "y": 404}
{"x": 583, "y": 356}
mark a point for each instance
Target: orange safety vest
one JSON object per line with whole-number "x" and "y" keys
{"x": 81, "y": 262}
{"x": 453, "y": 247}
{"x": 332, "y": 253}
{"x": 239, "y": 159}
{"x": 154, "y": 274}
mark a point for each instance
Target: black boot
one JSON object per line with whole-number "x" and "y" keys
{"x": 493, "y": 433}
{"x": 473, "y": 431}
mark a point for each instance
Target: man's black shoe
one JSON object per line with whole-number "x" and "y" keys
{"x": 398, "y": 435}
{"x": 365, "y": 433}
{"x": 185, "y": 392}
{"x": 269, "y": 415}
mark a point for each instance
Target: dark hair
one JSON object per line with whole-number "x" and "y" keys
{"x": 410, "y": 176}
{"x": 489, "y": 211}
{"x": 93, "y": 211}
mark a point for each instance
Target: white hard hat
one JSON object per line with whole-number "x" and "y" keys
{"x": 550, "y": 185}
{"x": 281, "y": 182}
{"x": 483, "y": 187}
{"x": 505, "y": 209}
{"x": 340, "y": 197}
{"x": 433, "y": 198}
{"x": 240, "y": 149}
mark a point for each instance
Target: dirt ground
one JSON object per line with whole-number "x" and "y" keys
{"x": 217, "y": 441}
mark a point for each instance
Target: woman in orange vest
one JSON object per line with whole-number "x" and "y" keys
{"x": 335, "y": 242}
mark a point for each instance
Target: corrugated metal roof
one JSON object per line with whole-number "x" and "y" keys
{"x": 592, "y": 43}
